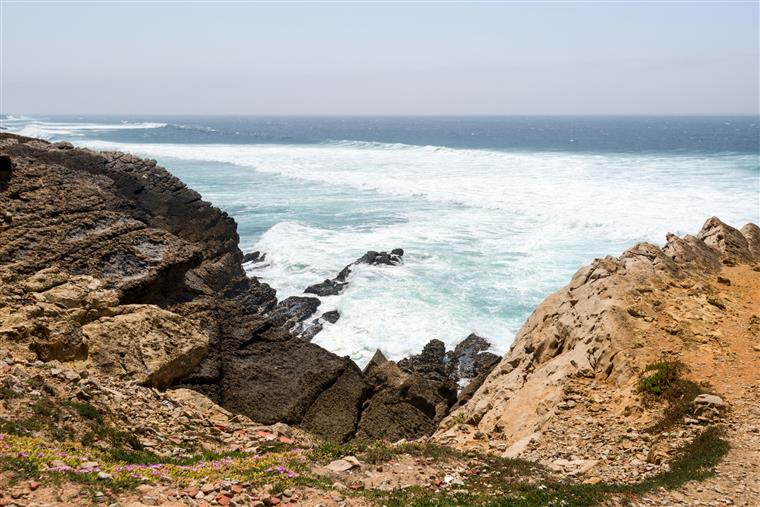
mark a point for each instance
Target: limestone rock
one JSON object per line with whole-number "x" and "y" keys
{"x": 146, "y": 343}
{"x": 708, "y": 406}
{"x": 585, "y": 331}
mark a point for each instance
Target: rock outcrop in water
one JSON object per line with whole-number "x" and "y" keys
{"x": 334, "y": 286}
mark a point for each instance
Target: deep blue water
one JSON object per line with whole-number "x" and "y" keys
{"x": 567, "y": 134}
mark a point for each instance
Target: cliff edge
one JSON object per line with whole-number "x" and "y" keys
{"x": 572, "y": 392}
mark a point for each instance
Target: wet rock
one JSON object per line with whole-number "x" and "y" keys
{"x": 292, "y": 310}
{"x": 326, "y": 288}
{"x": 254, "y": 257}
{"x": 332, "y": 316}
{"x": 471, "y": 356}
{"x": 378, "y": 258}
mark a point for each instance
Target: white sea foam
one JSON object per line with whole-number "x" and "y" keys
{"x": 487, "y": 233}
{"x": 51, "y": 130}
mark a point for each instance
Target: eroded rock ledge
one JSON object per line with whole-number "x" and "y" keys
{"x": 112, "y": 264}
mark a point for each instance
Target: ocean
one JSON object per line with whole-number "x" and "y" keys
{"x": 493, "y": 213}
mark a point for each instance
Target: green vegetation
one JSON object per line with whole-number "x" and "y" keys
{"x": 665, "y": 383}
{"x": 664, "y": 375}
{"x": 490, "y": 481}
{"x": 695, "y": 461}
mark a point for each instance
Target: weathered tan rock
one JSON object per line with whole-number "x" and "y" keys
{"x": 146, "y": 343}
{"x": 200, "y": 404}
{"x": 602, "y": 328}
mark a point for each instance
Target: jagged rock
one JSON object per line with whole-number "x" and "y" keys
{"x": 432, "y": 361}
{"x": 139, "y": 231}
{"x": 471, "y": 356}
{"x": 404, "y": 404}
{"x": 334, "y": 286}
{"x": 585, "y": 332}
{"x": 326, "y": 288}
{"x": 273, "y": 381}
{"x": 254, "y": 257}
{"x": 327, "y": 416}
{"x": 377, "y": 258}
{"x": 293, "y": 310}
{"x": 332, "y": 316}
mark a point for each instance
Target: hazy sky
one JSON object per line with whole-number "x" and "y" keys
{"x": 380, "y": 58}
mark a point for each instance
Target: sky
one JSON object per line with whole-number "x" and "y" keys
{"x": 409, "y": 58}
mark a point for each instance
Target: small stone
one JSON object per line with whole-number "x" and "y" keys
{"x": 33, "y": 485}
{"x": 104, "y": 476}
{"x": 343, "y": 465}
{"x": 222, "y": 499}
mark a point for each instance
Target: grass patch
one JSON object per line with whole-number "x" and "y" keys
{"x": 694, "y": 461}
{"x": 663, "y": 382}
{"x": 661, "y": 376}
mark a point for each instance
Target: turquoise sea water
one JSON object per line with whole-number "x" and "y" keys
{"x": 494, "y": 213}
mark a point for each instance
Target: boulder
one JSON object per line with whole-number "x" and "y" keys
{"x": 328, "y": 417}
{"x": 326, "y": 288}
{"x": 708, "y": 407}
{"x": 332, "y": 316}
{"x": 279, "y": 381}
{"x": 254, "y": 257}
{"x": 146, "y": 343}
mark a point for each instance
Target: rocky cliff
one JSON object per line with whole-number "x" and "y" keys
{"x": 569, "y": 390}
{"x": 132, "y": 345}
{"x": 110, "y": 262}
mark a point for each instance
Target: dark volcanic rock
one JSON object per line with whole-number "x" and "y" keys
{"x": 332, "y": 287}
{"x": 377, "y": 258}
{"x": 6, "y": 171}
{"x": 332, "y": 316}
{"x": 290, "y": 311}
{"x": 471, "y": 356}
{"x": 279, "y": 381}
{"x": 431, "y": 362}
{"x": 403, "y": 405}
{"x": 326, "y": 288}
{"x": 254, "y": 257}
{"x": 327, "y": 416}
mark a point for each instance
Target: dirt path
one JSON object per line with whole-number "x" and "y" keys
{"x": 731, "y": 361}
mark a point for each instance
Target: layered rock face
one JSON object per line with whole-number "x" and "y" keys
{"x": 110, "y": 262}
{"x": 576, "y": 362}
